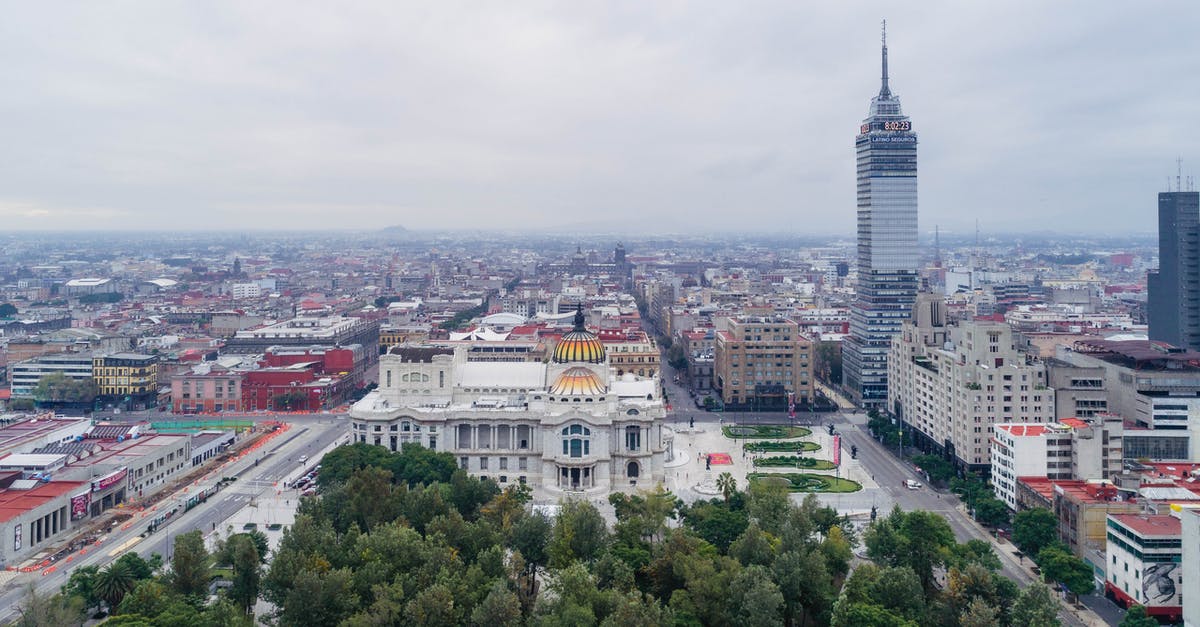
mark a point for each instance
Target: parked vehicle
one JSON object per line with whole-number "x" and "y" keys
{"x": 912, "y": 485}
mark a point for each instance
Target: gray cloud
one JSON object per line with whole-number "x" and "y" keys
{"x": 704, "y": 115}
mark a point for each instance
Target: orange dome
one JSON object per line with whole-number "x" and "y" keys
{"x": 577, "y": 381}
{"x": 579, "y": 344}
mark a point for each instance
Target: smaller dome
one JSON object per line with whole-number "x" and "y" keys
{"x": 577, "y": 381}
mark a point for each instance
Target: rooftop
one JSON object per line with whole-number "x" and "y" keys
{"x": 13, "y": 503}
{"x": 1147, "y": 526}
{"x": 1140, "y": 354}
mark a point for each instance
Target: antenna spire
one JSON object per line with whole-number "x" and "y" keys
{"x": 884, "y": 91}
{"x": 1179, "y": 174}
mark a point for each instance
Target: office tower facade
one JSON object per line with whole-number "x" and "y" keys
{"x": 1173, "y": 304}
{"x": 887, "y": 244}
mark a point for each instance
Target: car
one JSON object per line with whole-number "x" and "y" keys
{"x": 303, "y": 458}
{"x": 912, "y": 485}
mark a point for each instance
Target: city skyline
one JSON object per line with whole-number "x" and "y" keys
{"x": 683, "y": 119}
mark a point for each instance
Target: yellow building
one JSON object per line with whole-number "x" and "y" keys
{"x": 760, "y": 360}
{"x": 394, "y": 336}
{"x": 632, "y": 351}
{"x": 129, "y": 379}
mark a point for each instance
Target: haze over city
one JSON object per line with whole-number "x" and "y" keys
{"x": 621, "y": 116}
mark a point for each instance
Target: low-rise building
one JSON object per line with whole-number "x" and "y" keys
{"x": 206, "y": 389}
{"x": 762, "y": 361}
{"x": 1063, "y": 450}
{"x": 33, "y": 514}
{"x": 26, "y": 374}
{"x": 127, "y": 379}
{"x": 1144, "y": 556}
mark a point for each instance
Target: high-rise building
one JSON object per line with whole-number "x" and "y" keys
{"x": 887, "y": 244}
{"x": 1174, "y": 289}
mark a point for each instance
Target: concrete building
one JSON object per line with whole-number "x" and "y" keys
{"x": 1154, "y": 387}
{"x": 308, "y": 331}
{"x": 951, "y": 384}
{"x": 206, "y": 389}
{"x": 26, "y": 374}
{"x": 888, "y": 257}
{"x": 1064, "y": 450}
{"x": 127, "y": 379}
{"x": 570, "y": 425}
{"x": 759, "y": 361}
{"x": 208, "y": 444}
{"x": 1144, "y": 557}
{"x": 1173, "y": 290}
{"x": 241, "y": 291}
{"x": 33, "y": 515}
{"x": 1190, "y": 584}
{"x": 632, "y": 351}
{"x": 1082, "y": 509}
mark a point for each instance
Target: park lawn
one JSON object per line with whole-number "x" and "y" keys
{"x": 764, "y": 431}
{"x": 805, "y": 482}
{"x": 781, "y": 447}
{"x": 789, "y": 461}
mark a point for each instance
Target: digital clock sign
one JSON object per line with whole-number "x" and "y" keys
{"x": 899, "y": 125}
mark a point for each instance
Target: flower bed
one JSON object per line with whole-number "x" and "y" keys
{"x": 764, "y": 431}
{"x": 804, "y": 482}
{"x": 781, "y": 447}
{"x": 788, "y": 461}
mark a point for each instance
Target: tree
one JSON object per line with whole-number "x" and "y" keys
{"x": 1059, "y": 565}
{"x": 920, "y": 540}
{"x": 837, "y": 551}
{"x": 140, "y": 568}
{"x": 113, "y": 582}
{"x": 868, "y": 615}
{"x": 82, "y": 586}
{"x": 1137, "y": 617}
{"x": 148, "y": 598}
{"x": 827, "y": 358}
{"x": 805, "y": 584}
{"x": 500, "y": 608}
{"x": 1035, "y": 607}
{"x": 319, "y": 599}
{"x": 979, "y": 614}
{"x": 754, "y": 599}
{"x": 936, "y": 466}
{"x": 754, "y": 547}
{"x": 38, "y": 610}
{"x": 1034, "y": 529}
{"x": 247, "y": 571}
{"x": 289, "y": 401}
{"x": 991, "y": 511}
{"x": 433, "y": 606}
{"x": 716, "y": 522}
{"x": 8, "y": 310}
{"x": 189, "y": 565}
{"x": 727, "y": 484}
{"x": 58, "y": 388}
{"x": 579, "y": 533}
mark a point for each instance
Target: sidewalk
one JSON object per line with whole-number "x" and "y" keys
{"x": 1007, "y": 551}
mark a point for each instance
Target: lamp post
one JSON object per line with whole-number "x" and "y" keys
{"x": 901, "y": 432}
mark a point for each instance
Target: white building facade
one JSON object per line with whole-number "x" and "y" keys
{"x": 570, "y": 425}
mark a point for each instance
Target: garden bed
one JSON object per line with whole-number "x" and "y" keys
{"x": 804, "y": 482}
{"x": 781, "y": 447}
{"x": 789, "y": 461}
{"x": 764, "y": 431}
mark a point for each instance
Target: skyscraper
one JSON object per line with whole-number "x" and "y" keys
{"x": 887, "y": 243}
{"x": 1173, "y": 299}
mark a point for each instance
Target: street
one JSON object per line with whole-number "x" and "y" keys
{"x": 276, "y": 462}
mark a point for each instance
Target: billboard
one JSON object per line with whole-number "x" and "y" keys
{"x": 79, "y": 505}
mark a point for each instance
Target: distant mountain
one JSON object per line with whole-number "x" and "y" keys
{"x": 394, "y": 230}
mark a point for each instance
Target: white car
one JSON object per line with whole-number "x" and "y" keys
{"x": 303, "y": 458}
{"x": 912, "y": 485}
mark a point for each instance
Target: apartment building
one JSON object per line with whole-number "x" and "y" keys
{"x": 759, "y": 361}
{"x": 950, "y": 384}
{"x": 206, "y": 389}
{"x": 631, "y": 351}
{"x": 130, "y": 379}
{"x": 1063, "y": 450}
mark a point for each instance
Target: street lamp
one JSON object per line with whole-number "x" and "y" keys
{"x": 901, "y": 432}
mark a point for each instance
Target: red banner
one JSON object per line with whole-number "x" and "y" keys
{"x": 791, "y": 404}
{"x": 109, "y": 480}
{"x": 837, "y": 450}
{"x": 79, "y": 505}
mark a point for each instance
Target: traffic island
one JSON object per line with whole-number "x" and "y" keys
{"x": 746, "y": 432}
{"x": 781, "y": 447}
{"x": 804, "y": 482}
{"x": 788, "y": 461}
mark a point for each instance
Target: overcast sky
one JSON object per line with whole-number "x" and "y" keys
{"x": 660, "y": 115}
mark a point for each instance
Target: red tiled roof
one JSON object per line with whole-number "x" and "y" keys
{"x": 1074, "y": 423}
{"x": 13, "y": 503}
{"x": 1025, "y": 430}
{"x": 1145, "y": 526}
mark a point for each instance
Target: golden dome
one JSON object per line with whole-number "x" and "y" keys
{"x": 579, "y": 344}
{"x": 577, "y": 381}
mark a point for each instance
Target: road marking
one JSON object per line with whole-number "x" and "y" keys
{"x": 121, "y": 548}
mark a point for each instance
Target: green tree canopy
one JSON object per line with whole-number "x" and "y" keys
{"x": 1034, "y": 529}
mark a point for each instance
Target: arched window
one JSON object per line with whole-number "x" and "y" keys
{"x": 632, "y": 412}
{"x": 577, "y": 441}
{"x": 632, "y": 470}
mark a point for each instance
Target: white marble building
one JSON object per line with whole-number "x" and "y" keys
{"x": 568, "y": 425}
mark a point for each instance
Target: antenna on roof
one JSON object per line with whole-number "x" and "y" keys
{"x": 1178, "y": 174}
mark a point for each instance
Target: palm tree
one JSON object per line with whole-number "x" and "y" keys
{"x": 727, "y": 484}
{"x": 113, "y": 583}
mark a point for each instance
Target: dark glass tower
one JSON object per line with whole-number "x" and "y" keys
{"x": 887, "y": 244}
{"x": 1173, "y": 298}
